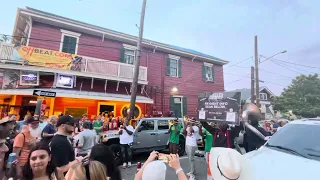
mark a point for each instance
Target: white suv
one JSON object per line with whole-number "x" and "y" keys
{"x": 291, "y": 153}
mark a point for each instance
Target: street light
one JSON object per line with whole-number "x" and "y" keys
{"x": 282, "y": 52}
{"x": 174, "y": 89}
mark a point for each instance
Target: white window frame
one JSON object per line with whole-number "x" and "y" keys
{"x": 177, "y": 58}
{"x": 71, "y": 34}
{"x": 210, "y": 66}
{"x": 130, "y": 48}
{"x": 263, "y": 95}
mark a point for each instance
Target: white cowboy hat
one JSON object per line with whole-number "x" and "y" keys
{"x": 156, "y": 170}
{"x": 228, "y": 164}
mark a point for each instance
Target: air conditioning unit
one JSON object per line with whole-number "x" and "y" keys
{"x": 209, "y": 79}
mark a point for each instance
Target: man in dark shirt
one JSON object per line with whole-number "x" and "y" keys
{"x": 223, "y": 136}
{"x": 253, "y": 140}
{"x": 49, "y": 130}
{"x": 62, "y": 151}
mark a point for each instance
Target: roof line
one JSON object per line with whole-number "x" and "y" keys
{"x": 103, "y": 30}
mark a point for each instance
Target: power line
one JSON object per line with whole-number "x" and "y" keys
{"x": 297, "y": 64}
{"x": 285, "y": 67}
{"x": 277, "y": 74}
{"x": 292, "y": 66}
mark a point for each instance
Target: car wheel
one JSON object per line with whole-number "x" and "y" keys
{"x": 181, "y": 148}
{"x": 116, "y": 149}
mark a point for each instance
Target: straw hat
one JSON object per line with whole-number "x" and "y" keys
{"x": 228, "y": 164}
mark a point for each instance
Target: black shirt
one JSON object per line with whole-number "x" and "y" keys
{"x": 62, "y": 150}
{"x": 223, "y": 138}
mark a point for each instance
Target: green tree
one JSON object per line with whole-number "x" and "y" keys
{"x": 302, "y": 97}
{"x": 4, "y": 38}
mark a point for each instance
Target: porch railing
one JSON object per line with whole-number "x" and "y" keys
{"x": 89, "y": 64}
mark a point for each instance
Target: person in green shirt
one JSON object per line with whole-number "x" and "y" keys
{"x": 98, "y": 125}
{"x": 174, "y": 132}
{"x": 208, "y": 139}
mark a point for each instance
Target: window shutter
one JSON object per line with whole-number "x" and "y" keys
{"x": 168, "y": 67}
{"x": 204, "y": 78}
{"x": 179, "y": 68}
{"x": 213, "y": 76}
{"x": 171, "y": 103}
{"x": 121, "y": 59}
{"x": 185, "y": 106}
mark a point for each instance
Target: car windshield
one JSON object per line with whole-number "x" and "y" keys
{"x": 301, "y": 139}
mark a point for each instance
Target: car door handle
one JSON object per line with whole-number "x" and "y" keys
{"x": 153, "y": 134}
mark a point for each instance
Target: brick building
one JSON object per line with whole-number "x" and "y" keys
{"x": 100, "y": 74}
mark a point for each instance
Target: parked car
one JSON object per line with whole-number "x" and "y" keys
{"x": 291, "y": 153}
{"x": 150, "y": 134}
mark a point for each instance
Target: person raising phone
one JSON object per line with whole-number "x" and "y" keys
{"x": 126, "y": 139}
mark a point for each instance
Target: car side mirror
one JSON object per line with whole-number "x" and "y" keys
{"x": 140, "y": 128}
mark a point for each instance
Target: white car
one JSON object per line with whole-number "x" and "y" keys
{"x": 292, "y": 153}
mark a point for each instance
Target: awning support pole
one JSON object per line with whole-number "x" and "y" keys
{"x": 118, "y": 86}
{"x": 105, "y": 86}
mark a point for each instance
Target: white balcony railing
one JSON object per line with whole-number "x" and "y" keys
{"x": 90, "y": 64}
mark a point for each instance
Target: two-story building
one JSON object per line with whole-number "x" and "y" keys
{"x": 91, "y": 68}
{"x": 265, "y": 97}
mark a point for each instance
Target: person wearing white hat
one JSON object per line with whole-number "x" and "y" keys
{"x": 228, "y": 164}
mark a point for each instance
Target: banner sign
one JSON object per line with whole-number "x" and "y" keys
{"x": 219, "y": 107}
{"x": 46, "y": 58}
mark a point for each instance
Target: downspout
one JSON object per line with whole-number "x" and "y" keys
{"x": 162, "y": 85}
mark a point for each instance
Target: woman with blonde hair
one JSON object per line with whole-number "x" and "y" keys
{"x": 94, "y": 170}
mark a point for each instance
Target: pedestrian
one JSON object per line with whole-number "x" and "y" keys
{"x": 62, "y": 150}
{"x": 93, "y": 170}
{"x": 85, "y": 140}
{"x": 254, "y": 141}
{"x": 157, "y": 170}
{"x": 21, "y": 124}
{"x": 98, "y": 126}
{"x": 207, "y": 147}
{"x": 174, "y": 131}
{"x": 126, "y": 139}
{"x": 39, "y": 164}
{"x": 24, "y": 141}
{"x": 49, "y": 130}
{"x": 3, "y": 150}
{"x": 103, "y": 154}
{"x": 191, "y": 131}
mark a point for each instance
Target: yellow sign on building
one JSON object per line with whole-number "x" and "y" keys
{"x": 46, "y": 58}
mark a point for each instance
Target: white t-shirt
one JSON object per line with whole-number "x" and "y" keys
{"x": 191, "y": 139}
{"x": 125, "y": 138}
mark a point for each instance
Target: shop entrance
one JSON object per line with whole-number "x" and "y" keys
{"x": 106, "y": 109}
{"x": 28, "y": 106}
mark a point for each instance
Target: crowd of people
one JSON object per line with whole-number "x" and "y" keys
{"x": 69, "y": 148}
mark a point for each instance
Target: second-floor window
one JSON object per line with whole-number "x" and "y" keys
{"x": 208, "y": 72}
{"x": 173, "y": 66}
{"x": 263, "y": 96}
{"x": 128, "y": 54}
{"x": 69, "y": 42}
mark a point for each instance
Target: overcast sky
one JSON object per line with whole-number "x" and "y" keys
{"x": 224, "y": 29}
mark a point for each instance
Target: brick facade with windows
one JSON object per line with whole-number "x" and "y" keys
{"x": 166, "y": 69}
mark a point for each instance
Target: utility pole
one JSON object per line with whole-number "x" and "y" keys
{"x": 137, "y": 62}
{"x": 256, "y": 60}
{"x": 252, "y": 85}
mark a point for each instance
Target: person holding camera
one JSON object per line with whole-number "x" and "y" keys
{"x": 156, "y": 169}
{"x": 126, "y": 139}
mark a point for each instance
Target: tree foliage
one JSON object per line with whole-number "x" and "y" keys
{"x": 302, "y": 97}
{"x": 4, "y": 38}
